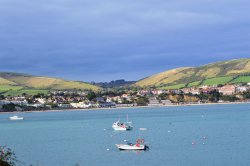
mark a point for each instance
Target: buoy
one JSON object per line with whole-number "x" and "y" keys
{"x": 193, "y": 143}
{"x": 107, "y": 149}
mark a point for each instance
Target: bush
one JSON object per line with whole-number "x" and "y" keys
{"x": 9, "y": 107}
{"x": 7, "y": 157}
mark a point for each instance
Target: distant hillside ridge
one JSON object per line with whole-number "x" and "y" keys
{"x": 232, "y": 71}
{"x": 19, "y": 82}
{"x": 114, "y": 84}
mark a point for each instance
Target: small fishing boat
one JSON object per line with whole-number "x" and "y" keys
{"x": 15, "y": 117}
{"x": 130, "y": 146}
{"x": 122, "y": 126}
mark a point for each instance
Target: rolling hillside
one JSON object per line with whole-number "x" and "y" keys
{"x": 15, "y": 83}
{"x": 233, "y": 71}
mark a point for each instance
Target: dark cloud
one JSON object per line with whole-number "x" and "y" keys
{"x": 106, "y": 40}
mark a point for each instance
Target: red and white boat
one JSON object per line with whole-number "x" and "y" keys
{"x": 129, "y": 146}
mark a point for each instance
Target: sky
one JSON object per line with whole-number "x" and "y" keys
{"x": 97, "y": 40}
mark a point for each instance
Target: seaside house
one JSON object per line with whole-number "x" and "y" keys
{"x": 154, "y": 102}
{"x": 227, "y": 89}
{"x": 157, "y": 92}
{"x": 126, "y": 105}
{"x": 106, "y": 104}
{"x": 191, "y": 91}
{"x": 166, "y": 102}
{"x": 61, "y": 105}
{"x": 81, "y": 105}
{"x": 240, "y": 89}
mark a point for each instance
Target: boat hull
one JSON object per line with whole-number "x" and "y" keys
{"x": 118, "y": 128}
{"x": 11, "y": 118}
{"x": 130, "y": 147}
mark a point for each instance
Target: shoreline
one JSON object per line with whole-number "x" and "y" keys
{"x": 113, "y": 108}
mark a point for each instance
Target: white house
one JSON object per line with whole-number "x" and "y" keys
{"x": 81, "y": 105}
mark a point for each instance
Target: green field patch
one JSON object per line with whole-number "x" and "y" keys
{"x": 9, "y": 87}
{"x": 178, "y": 86}
{"x": 196, "y": 83}
{"x": 217, "y": 81}
{"x": 26, "y": 91}
{"x": 241, "y": 79}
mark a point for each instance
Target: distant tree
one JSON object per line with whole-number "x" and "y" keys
{"x": 230, "y": 98}
{"x": 246, "y": 95}
{"x": 2, "y": 97}
{"x": 142, "y": 101}
{"x": 214, "y": 96}
{"x": 24, "y": 94}
{"x": 163, "y": 96}
{"x": 91, "y": 95}
{"x": 9, "y": 107}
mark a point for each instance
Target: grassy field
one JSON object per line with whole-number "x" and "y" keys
{"x": 6, "y": 82}
{"x": 196, "y": 83}
{"x": 42, "y": 83}
{"x": 241, "y": 79}
{"x": 213, "y": 73}
{"x": 217, "y": 80}
{"x": 179, "y": 86}
{"x": 26, "y": 91}
{"x": 9, "y": 87}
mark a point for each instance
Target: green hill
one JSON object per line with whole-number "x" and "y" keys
{"x": 16, "y": 83}
{"x": 233, "y": 71}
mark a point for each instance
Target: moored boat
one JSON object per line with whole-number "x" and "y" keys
{"x": 15, "y": 117}
{"x": 122, "y": 126}
{"x": 129, "y": 146}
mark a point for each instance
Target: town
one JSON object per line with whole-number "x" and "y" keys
{"x": 131, "y": 97}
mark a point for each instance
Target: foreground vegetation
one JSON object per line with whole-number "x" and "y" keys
{"x": 8, "y": 157}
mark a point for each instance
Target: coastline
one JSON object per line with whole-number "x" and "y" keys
{"x": 118, "y": 108}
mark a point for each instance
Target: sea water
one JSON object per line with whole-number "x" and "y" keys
{"x": 207, "y": 135}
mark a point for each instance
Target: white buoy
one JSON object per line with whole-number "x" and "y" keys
{"x": 143, "y": 129}
{"x": 107, "y": 149}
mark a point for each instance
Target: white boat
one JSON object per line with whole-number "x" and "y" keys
{"x": 15, "y": 117}
{"x": 122, "y": 126}
{"x": 119, "y": 126}
{"x": 129, "y": 146}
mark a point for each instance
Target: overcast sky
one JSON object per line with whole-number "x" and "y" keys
{"x": 103, "y": 40}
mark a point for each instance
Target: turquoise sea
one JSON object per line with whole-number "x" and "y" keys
{"x": 208, "y": 135}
